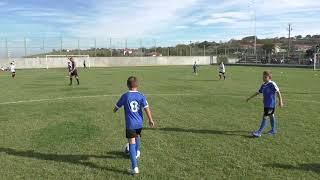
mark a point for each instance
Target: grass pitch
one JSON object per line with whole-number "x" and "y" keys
{"x": 49, "y": 130}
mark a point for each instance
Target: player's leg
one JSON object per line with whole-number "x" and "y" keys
{"x": 224, "y": 76}
{"x": 273, "y": 125}
{"x": 263, "y": 123}
{"x": 77, "y": 78}
{"x": 131, "y": 135}
{"x": 70, "y": 78}
{"x": 220, "y": 76}
{"x": 13, "y": 75}
{"x": 138, "y": 138}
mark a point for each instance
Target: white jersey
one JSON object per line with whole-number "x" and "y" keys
{"x": 12, "y": 68}
{"x": 222, "y": 68}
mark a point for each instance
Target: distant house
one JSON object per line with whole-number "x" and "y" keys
{"x": 127, "y": 51}
{"x": 154, "y": 54}
{"x": 278, "y": 49}
{"x": 302, "y": 47}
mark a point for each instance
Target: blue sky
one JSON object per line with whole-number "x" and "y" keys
{"x": 168, "y": 21}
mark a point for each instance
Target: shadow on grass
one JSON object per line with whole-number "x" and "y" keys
{"x": 199, "y": 80}
{"x": 303, "y": 167}
{"x": 66, "y": 158}
{"x": 205, "y": 131}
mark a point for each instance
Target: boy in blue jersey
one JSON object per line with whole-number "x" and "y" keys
{"x": 195, "y": 67}
{"x": 133, "y": 103}
{"x": 269, "y": 89}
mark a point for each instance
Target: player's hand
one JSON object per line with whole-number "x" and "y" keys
{"x": 151, "y": 124}
{"x": 281, "y": 104}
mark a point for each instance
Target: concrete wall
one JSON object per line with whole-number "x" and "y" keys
{"x": 61, "y": 62}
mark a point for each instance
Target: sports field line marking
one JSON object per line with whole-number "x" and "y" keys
{"x": 118, "y": 95}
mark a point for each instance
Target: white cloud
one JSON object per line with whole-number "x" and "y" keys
{"x": 144, "y": 17}
{"x": 181, "y": 27}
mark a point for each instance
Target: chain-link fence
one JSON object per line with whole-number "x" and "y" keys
{"x": 118, "y": 47}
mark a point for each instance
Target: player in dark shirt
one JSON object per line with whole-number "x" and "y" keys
{"x": 73, "y": 71}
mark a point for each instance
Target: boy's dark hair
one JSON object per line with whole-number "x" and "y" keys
{"x": 267, "y": 73}
{"x": 132, "y": 82}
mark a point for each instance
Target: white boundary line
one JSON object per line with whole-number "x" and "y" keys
{"x": 118, "y": 95}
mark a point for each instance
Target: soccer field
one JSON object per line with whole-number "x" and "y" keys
{"x": 50, "y": 130}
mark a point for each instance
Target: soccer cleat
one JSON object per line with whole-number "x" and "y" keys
{"x": 256, "y": 134}
{"x": 134, "y": 171}
{"x": 138, "y": 154}
{"x": 271, "y": 132}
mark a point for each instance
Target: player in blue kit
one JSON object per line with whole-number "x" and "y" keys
{"x": 133, "y": 103}
{"x": 195, "y": 68}
{"x": 269, "y": 89}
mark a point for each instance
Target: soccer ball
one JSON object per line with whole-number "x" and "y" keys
{"x": 126, "y": 149}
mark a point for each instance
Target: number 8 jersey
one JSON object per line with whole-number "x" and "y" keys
{"x": 133, "y": 103}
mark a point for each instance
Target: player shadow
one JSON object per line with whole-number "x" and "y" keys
{"x": 66, "y": 158}
{"x": 206, "y": 131}
{"x": 200, "y": 80}
{"x": 315, "y": 167}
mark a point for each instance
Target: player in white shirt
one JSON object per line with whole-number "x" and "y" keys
{"x": 222, "y": 71}
{"x": 13, "y": 70}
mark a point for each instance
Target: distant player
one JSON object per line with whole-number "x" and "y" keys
{"x": 195, "y": 68}
{"x": 222, "y": 71}
{"x": 73, "y": 71}
{"x": 13, "y": 70}
{"x": 133, "y": 102}
{"x": 269, "y": 89}
{"x": 84, "y": 64}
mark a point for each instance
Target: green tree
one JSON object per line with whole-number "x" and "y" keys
{"x": 268, "y": 47}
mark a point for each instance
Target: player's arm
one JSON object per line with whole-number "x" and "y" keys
{"x": 280, "y": 99}
{"x": 119, "y": 104}
{"x": 149, "y": 114}
{"x": 115, "y": 109}
{"x": 253, "y": 96}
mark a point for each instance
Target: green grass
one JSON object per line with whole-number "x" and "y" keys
{"x": 203, "y": 125}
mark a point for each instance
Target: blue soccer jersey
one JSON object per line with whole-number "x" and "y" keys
{"x": 133, "y": 103}
{"x": 195, "y": 66}
{"x": 269, "y": 90}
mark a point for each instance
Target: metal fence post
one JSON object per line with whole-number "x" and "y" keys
{"x": 61, "y": 46}
{"x": 110, "y": 44}
{"x": 78, "y": 47}
{"x": 95, "y": 47}
{"x": 25, "y": 47}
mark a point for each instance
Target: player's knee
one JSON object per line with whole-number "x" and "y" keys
{"x": 132, "y": 140}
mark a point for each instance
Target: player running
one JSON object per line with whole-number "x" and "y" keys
{"x": 73, "y": 71}
{"x": 13, "y": 70}
{"x": 195, "y": 68}
{"x": 269, "y": 89}
{"x": 222, "y": 71}
{"x": 133, "y": 102}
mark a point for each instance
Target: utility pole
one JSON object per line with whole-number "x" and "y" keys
{"x": 7, "y": 49}
{"x": 141, "y": 51}
{"x": 25, "y": 47}
{"x": 155, "y": 47}
{"x": 78, "y": 47}
{"x": 95, "y": 47}
{"x": 110, "y": 44}
{"x": 190, "y": 48}
{"x": 61, "y": 45}
{"x": 204, "y": 50}
{"x": 43, "y": 50}
{"x": 289, "y": 39}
